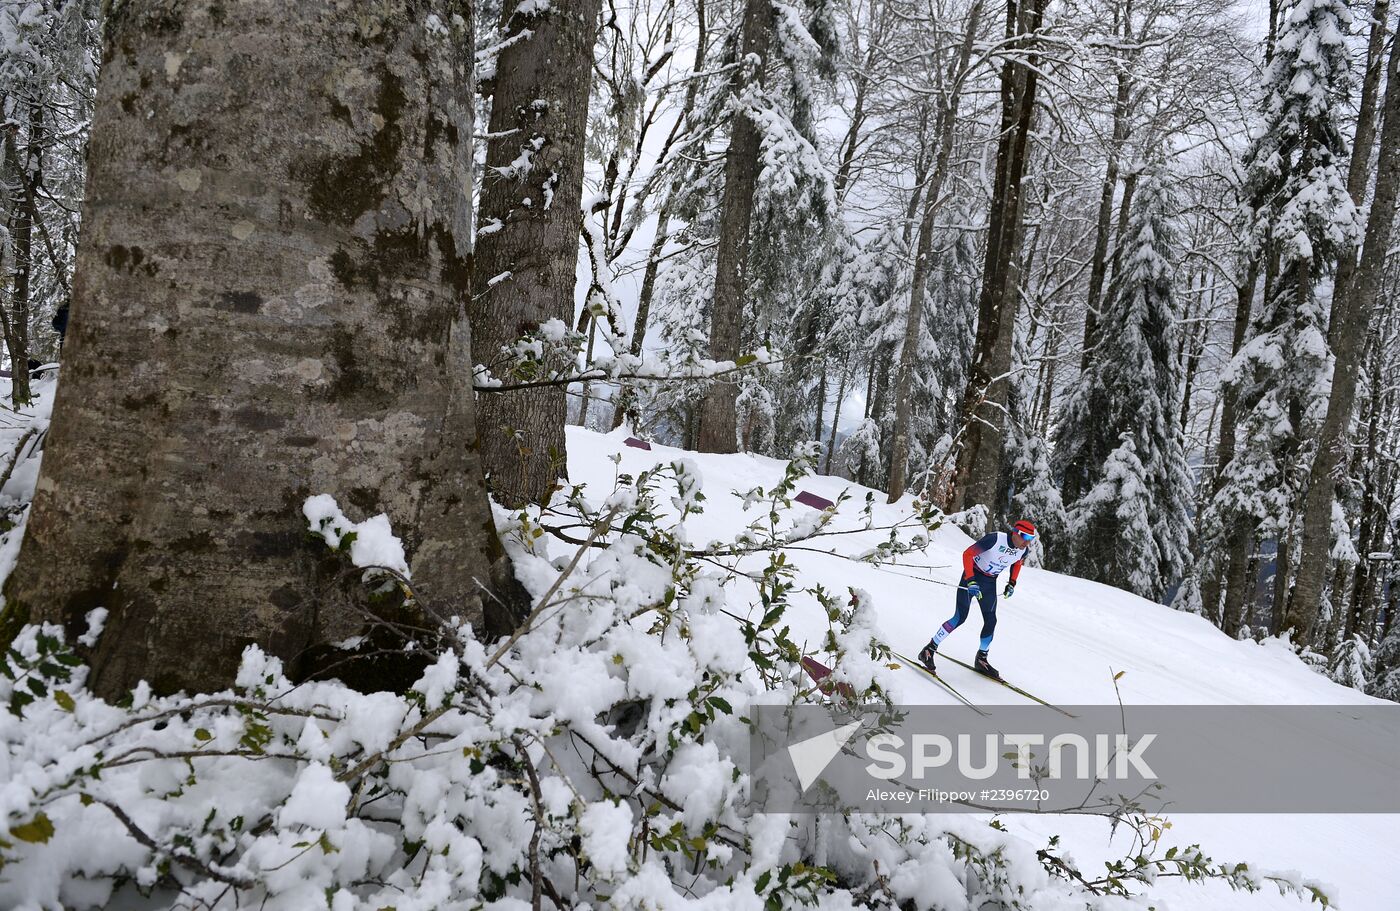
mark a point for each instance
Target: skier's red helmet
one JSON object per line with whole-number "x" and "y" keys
{"x": 1025, "y": 529}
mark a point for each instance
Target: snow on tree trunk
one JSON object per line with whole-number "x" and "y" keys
{"x": 269, "y": 304}
{"x": 933, "y": 201}
{"x": 978, "y": 473}
{"x": 29, "y": 169}
{"x": 527, "y": 247}
{"x": 1122, "y": 127}
{"x": 718, "y": 417}
{"x": 1354, "y": 296}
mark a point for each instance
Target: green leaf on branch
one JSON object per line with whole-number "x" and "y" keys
{"x": 37, "y": 831}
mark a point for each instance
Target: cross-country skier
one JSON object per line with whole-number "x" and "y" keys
{"x": 982, "y": 563}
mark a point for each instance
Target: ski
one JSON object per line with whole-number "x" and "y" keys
{"x": 1010, "y": 686}
{"x": 941, "y": 682}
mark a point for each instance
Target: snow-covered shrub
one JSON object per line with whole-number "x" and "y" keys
{"x": 1035, "y": 497}
{"x": 594, "y": 757}
{"x": 973, "y": 520}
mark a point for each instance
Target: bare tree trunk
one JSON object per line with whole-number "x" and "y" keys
{"x": 1271, "y": 37}
{"x": 1375, "y": 505}
{"x": 1224, "y": 452}
{"x": 1239, "y": 582}
{"x": 1208, "y": 444}
{"x": 1046, "y": 389}
{"x": 978, "y": 473}
{"x": 627, "y": 395}
{"x": 1098, "y": 266}
{"x": 913, "y": 325}
{"x": 922, "y": 161}
{"x": 836, "y": 419}
{"x": 269, "y": 304}
{"x": 28, "y": 171}
{"x": 529, "y": 226}
{"x": 1197, "y": 340}
{"x": 1283, "y": 568}
{"x": 718, "y": 431}
{"x": 1355, "y": 291}
{"x": 1125, "y": 206}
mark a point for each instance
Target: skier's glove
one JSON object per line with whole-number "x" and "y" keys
{"x": 974, "y": 590}
{"x": 1009, "y": 590}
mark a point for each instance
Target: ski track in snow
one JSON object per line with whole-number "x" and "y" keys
{"x": 1061, "y": 638}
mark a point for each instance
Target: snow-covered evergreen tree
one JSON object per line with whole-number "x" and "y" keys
{"x": 1351, "y": 664}
{"x": 756, "y": 417}
{"x": 1132, "y": 386}
{"x": 1112, "y": 538}
{"x": 859, "y": 455}
{"x": 1385, "y": 681}
{"x": 1300, "y": 212}
{"x": 792, "y": 200}
{"x": 1034, "y": 496}
{"x": 1188, "y": 595}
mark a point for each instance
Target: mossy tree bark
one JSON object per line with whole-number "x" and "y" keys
{"x": 527, "y": 247}
{"x": 269, "y": 303}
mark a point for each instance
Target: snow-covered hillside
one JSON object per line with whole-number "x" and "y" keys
{"x": 1063, "y": 638}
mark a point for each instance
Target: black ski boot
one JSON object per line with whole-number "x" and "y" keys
{"x": 926, "y": 657}
{"x": 982, "y": 667}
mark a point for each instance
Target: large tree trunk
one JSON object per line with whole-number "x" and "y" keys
{"x": 269, "y": 304}
{"x": 978, "y": 474}
{"x": 529, "y": 226}
{"x": 933, "y": 199}
{"x": 1356, "y": 287}
{"x": 718, "y": 432}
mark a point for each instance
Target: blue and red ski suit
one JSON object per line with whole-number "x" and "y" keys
{"x": 982, "y": 563}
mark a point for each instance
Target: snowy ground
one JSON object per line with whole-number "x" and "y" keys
{"x": 1064, "y": 639}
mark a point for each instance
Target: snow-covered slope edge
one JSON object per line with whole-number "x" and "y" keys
{"x": 600, "y": 750}
{"x": 1063, "y": 638}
